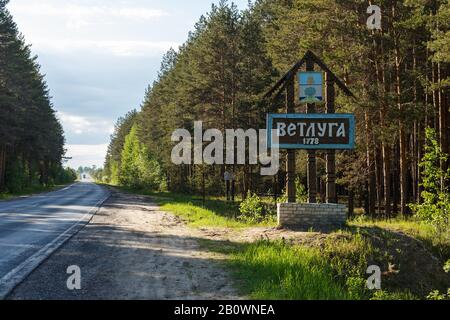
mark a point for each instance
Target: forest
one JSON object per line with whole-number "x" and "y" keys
{"x": 31, "y": 136}
{"x": 220, "y": 75}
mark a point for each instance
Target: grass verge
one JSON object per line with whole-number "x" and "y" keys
{"x": 276, "y": 270}
{"x": 214, "y": 212}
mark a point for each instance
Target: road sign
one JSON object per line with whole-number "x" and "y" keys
{"x": 311, "y": 87}
{"x": 312, "y": 131}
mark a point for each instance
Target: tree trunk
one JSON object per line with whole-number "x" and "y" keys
{"x": 443, "y": 128}
{"x": 370, "y": 167}
{"x": 378, "y": 179}
{"x": 351, "y": 205}
{"x": 402, "y": 136}
{"x": 395, "y": 180}
{"x": 385, "y": 147}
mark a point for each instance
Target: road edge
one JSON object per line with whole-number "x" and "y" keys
{"x": 16, "y": 276}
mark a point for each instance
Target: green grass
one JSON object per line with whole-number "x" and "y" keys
{"x": 277, "y": 270}
{"x": 29, "y": 191}
{"x": 215, "y": 212}
{"x": 333, "y": 270}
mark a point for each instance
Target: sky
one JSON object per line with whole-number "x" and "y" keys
{"x": 99, "y": 56}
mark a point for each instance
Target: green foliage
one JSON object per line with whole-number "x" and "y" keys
{"x": 356, "y": 287}
{"x": 129, "y": 169}
{"x": 31, "y": 137}
{"x": 150, "y": 172}
{"x": 138, "y": 168}
{"x": 15, "y": 177}
{"x": 385, "y": 295}
{"x": 66, "y": 175}
{"x": 301, "y": 192}
{"x": 435, "y": 208}
{"x": 113, "y": 159}
{"x": 348, "y": 255}
{"x": 436, "y": 295}
{"x": 447, "y": 266}
{"x": 114, "y": 178}
{"x": 283, "y": 198}
{"x": 253, "y": 209}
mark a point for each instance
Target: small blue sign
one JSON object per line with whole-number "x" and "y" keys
{"x": 311, "y": 87}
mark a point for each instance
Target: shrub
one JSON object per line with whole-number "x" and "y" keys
{"x": 435, "y": 208}
{"x": 447, "y": 267}
{"x": 253, "y": 209}
{"x": 301, "y": 192}
{"x": 436, "y": 295}
{"x": 384, "y": 295}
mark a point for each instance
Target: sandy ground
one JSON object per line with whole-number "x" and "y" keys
{"x": 131, "y": 250}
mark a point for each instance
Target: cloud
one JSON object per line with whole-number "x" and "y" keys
{"x": 78, "y": 16}
{"x": 82, "y": 125}
{"x": 86, "y": 155}
{"x": 121, "y": 48}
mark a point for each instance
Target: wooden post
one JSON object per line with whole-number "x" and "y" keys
{"x": 312, "y": 166}
{"x": 290, "y": 161}
{"x": 331, "y": 154}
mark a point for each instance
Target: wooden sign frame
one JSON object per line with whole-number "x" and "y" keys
{"x": 287, "y": 85}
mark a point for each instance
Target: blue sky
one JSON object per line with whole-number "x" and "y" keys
{"x": 99, "y": 56}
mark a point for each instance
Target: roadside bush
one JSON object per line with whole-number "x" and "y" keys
{"x": 283, "y": 198}
{"x": 384, "y": 295}
{"x": 66, "y": 175}
{"x": 138, "y": 168}
{"x": 435, "y": 208}
{"x": 301, "y": 192}
{"x": 253, "y": 209}
{"x": 436, "y": 295}
{"x": 447, "y": 266}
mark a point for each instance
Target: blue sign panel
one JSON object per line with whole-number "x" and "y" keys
{"x": 311, "y": 131}
{"x": 311, "y": 87}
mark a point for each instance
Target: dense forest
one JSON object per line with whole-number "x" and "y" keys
{"x": 31, "y": 137}
{"x": 399, "y": 76}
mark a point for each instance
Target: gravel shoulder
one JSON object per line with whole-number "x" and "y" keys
{"x": 131, "y": 250}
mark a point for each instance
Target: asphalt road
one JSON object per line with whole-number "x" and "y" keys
{"x": 32, "y": 228}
